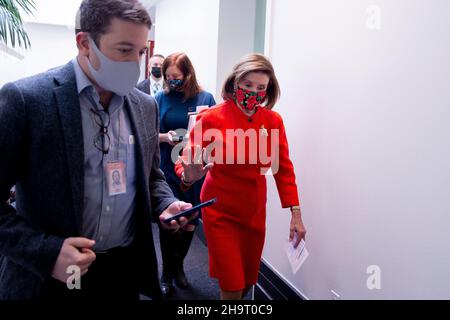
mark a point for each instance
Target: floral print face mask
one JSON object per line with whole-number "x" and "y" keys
{"x": 249, "y": 100}
{"x": 175, "y": 84}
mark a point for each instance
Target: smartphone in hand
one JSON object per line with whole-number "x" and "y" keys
{"x": 177, "y": 138}
{"x": 190, "y": 211}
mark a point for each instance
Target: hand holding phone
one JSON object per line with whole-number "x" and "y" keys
{"x": 177, "y": 138}
{"x": 190, "y": 211}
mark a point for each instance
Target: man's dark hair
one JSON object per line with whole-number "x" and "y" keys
{"x": 96, "y": 15}
{"x": 157, "y": 56}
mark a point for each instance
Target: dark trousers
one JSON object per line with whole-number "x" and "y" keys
{"x": 111, "y": 276}
{"x": 174, "y": 248}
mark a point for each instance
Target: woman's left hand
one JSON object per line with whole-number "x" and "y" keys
{"x": 298, "y": 227}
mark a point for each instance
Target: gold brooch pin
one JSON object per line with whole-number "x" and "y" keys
{"x": 263, "y": 131}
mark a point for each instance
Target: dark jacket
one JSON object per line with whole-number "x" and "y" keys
{"x": 42, "y": 153}
{"x": 144, "y": 86}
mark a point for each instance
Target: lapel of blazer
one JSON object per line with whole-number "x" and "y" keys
{"x": 148, "y": 90}
{"x": 69, "y": 111}
{"x": 139, "y": 127}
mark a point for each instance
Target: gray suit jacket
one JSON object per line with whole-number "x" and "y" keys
{"x": 42, "y": 153}
{"x": 144, "y": 86}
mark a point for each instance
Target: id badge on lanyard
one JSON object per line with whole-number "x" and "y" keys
{"x": 114, "y": 170}
{"x": 116, "y": 177}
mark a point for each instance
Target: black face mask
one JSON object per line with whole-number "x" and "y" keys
{"x": 156, "y": 72}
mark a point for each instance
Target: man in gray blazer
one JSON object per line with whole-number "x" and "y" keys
{"x": 62, "y": 134}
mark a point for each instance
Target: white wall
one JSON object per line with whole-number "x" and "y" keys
{"x": 51, "y": 30}
{"x": 51, "y": 46}
{"x": 213, "y": 33}
{"x": 52, "y": 34}
{"x": 54, "y": 12}
{"x": 236, "y": 36}
{"x": 190, "y": 26}
{"x": 367, "y": 115}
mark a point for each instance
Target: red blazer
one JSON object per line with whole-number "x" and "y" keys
{"x": 237, "y": 178}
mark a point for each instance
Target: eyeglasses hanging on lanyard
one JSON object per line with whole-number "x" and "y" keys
{"x": 102, "y": 140}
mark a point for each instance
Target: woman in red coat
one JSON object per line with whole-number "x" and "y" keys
{"x": 240, "y": 140}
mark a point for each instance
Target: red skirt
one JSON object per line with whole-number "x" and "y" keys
{"x": 235, "y": 247}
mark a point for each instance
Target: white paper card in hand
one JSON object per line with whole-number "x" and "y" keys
{"x": 201, "y": 108}
{"x": 191, "y": 124}
{"x": 296, "y": 256}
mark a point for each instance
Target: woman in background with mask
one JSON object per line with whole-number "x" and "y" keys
{"x": 235, "y": 225}
{"x": 182, "y": 94}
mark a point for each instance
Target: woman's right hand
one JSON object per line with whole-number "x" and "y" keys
{"x": 194, "y": 170}
{"x": 168, "y": 138}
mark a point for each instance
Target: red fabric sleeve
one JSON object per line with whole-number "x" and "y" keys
{"x": 285, "y": 177}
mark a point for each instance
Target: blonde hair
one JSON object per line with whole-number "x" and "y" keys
{"x": 253, "y": 63}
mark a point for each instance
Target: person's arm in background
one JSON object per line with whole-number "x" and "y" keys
{"x": 212, "y": 101}
{"x": 190, "y": 167}
{"x": 164, "y": 204}
{"x": 287, "y": 188}
{"x": 166, "y": 137}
